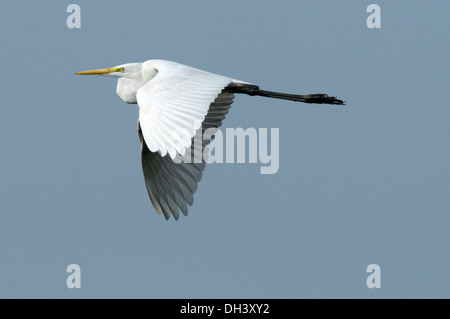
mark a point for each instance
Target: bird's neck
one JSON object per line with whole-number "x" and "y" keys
{"x": 127, "y": 89}
{"x": 128, "y": 86}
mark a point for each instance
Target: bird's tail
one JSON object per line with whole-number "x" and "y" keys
{"x": 310, "y": 98}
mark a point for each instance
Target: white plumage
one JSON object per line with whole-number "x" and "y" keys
{"x": 176, "y": 102}
{"x": 173, "y": 105}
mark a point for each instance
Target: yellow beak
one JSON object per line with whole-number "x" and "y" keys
{"x": 100, "y": 71}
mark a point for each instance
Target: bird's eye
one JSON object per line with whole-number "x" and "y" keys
{"x": 122, "y": 69}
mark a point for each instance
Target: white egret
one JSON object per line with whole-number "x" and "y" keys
{"x": 176, "y": 102}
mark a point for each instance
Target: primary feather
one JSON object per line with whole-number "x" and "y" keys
{"x": 172, "y": 184}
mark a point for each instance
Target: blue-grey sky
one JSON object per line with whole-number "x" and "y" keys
{"x": 368, "y": 183}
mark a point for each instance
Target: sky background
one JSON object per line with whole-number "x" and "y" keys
{"x": 368, "y": 183}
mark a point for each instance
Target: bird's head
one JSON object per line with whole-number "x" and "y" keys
{"x": 129, "y": 70}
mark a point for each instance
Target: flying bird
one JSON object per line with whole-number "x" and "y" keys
{"x": 177, "y": 103}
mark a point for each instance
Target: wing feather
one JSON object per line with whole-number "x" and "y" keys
{"x": 171, "y": 184}
{"x": 174, "y": 103}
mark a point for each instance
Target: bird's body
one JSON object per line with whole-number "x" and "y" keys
{"x": 129, "y": 84}
{"x": 177, "y": 102}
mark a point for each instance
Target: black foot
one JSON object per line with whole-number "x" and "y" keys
{"x": 323, "y": 99}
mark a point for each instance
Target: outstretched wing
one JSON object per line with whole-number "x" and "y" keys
{"x": 171, "y": 183}
{"x": 173, "y": 105}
